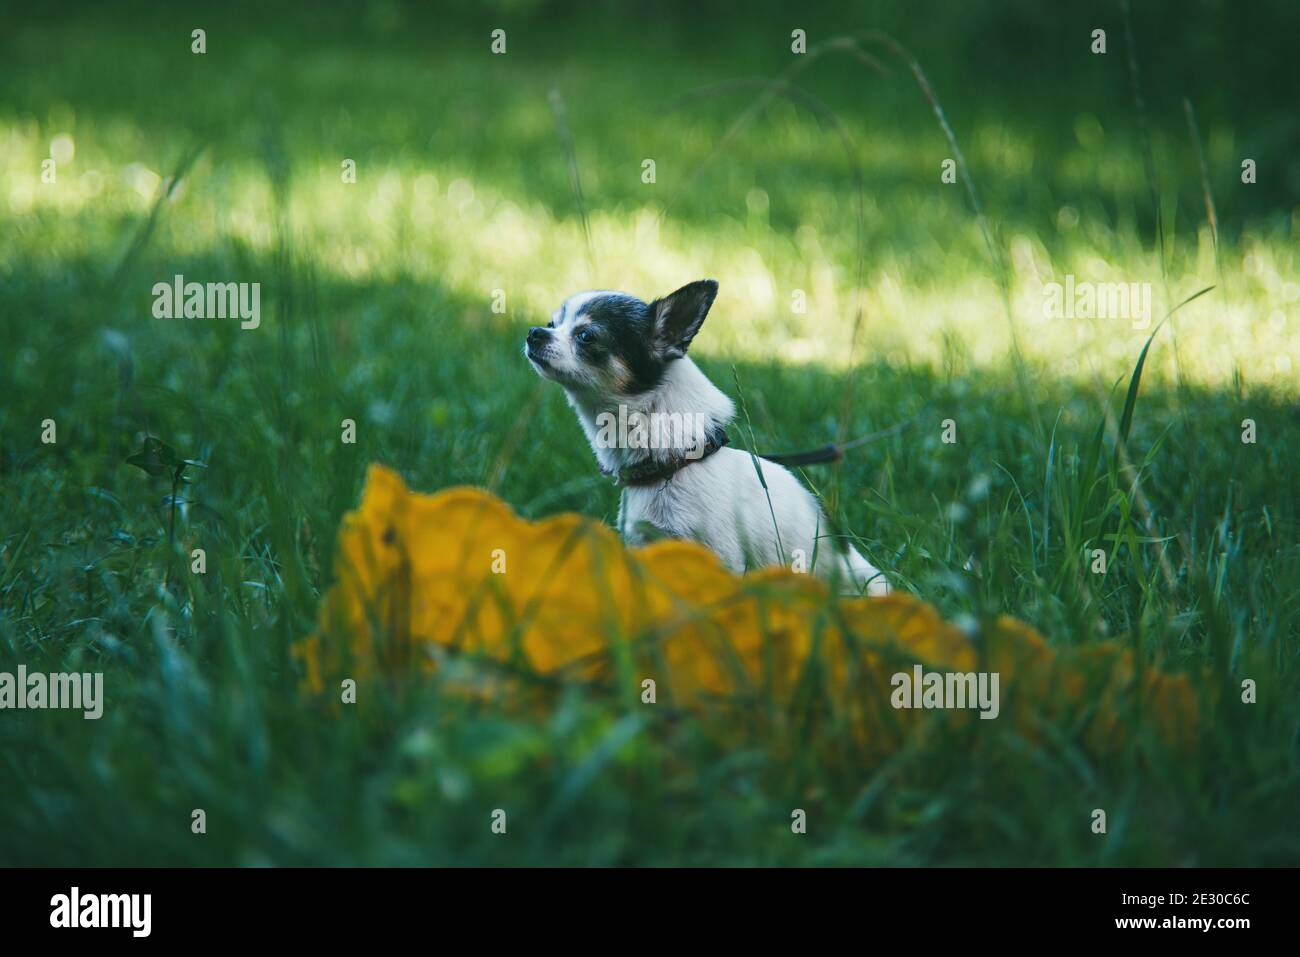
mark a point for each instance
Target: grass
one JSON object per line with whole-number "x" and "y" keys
{"x": 376, "y": 302}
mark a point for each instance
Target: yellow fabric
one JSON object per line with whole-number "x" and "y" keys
{"x": 422, "y": 577}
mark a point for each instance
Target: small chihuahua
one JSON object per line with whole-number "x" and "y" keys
{"x": 658, "y": 425}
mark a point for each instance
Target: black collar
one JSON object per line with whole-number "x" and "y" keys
{"x": 651, "y": 471}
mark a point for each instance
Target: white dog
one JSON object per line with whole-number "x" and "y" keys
{"x": 658, "y": 425}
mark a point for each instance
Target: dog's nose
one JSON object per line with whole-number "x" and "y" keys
{"x": 537, "y": 335}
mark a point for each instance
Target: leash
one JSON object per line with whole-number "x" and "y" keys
{"x": 651, "y": 472}
{"x": 832, "y": 452}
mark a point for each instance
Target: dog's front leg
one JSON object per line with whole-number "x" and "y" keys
{"x": 627, "y": 531}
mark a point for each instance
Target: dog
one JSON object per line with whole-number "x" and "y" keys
{"x": 658, "y": 425}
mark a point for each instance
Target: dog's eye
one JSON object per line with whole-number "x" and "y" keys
{"x": 585, "y": 336}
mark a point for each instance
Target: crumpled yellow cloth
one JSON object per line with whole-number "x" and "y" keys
{"x": 423, "y": 578}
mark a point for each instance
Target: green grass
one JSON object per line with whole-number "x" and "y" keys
{"x": 376, "y": 303}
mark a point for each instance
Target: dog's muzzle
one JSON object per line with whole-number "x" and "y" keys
{"x": 538, "y": 338}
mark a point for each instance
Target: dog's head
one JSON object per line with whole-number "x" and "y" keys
{"x": 610, "y": 343}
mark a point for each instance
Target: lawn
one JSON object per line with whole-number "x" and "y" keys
{"x": 860, "y": 294}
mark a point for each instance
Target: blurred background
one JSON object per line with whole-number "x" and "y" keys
{"x": 464, "y": 184}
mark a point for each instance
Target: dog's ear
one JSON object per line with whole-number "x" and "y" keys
{"x": 678, "y": 317}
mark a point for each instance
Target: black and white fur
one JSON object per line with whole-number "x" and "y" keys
{"x": 609, "y": 349}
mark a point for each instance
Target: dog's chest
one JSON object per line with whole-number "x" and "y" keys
{"x": 647, "y": 513}
{"x": 674, "y": 509}
{"x": 697, "y": 505}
